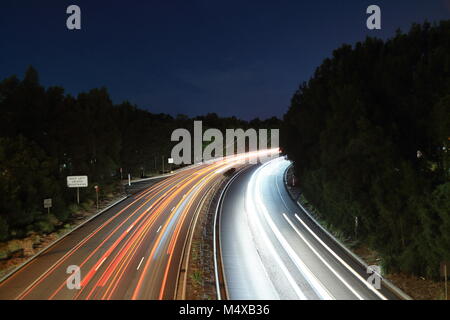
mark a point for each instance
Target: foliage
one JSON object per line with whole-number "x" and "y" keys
{"x": 47, "y": 135}
{"x": 354, "y": 132}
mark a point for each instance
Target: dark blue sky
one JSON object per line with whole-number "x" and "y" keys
{"x": 233, "y": 57}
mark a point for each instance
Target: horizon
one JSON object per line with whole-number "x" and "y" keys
{"x": 203, "y": 63}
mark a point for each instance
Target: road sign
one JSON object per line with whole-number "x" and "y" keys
{"x": 47, "y": 203}
{"x": 77, "y": 181}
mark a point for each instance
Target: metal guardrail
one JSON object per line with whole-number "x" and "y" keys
{"x": 60, "y": 239}
{"x": 185, "y": 253}
{"x": 218, "y": 263}
{"x": 396, "y": 291}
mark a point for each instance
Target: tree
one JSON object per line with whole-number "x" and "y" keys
{"x": 354, "y": 130}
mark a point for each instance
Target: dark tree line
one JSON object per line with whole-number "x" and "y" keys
{"x": 47, "y": 135}
{"x": 370, "y": 138}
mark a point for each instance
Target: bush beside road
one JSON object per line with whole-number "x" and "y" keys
{"x": 418, "y": 288}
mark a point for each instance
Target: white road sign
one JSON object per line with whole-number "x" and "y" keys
{"x": 47, "y": 203}
{"x": 77, "y": 181}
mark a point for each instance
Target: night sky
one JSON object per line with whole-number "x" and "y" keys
{"x": 236, "y": 57}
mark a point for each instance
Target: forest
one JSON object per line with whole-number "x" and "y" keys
{"x": 47, "y": 135}
{"x": 369, "y": 135}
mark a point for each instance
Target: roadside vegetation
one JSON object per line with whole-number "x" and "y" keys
{"x": 369, "y": 135}
{"x": 47, "y": 135}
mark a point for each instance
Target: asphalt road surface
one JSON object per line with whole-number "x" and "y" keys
{"x": 272, "y": 250}
{"x": 131, "y": 251}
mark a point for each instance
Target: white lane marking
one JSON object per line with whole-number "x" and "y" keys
{"x": 340, "y": 260}
{"x": 322, "y": 259}
{"x": 140, "y": 263}
{"x": 252, "y": 217}
{"x": 279, "y": 192}
{"x": 340, "y": 244}
{"x": 158, "y": 229}
{"x": 100, "y": 264}
{"x": 326, "y": 247}
{"x": 131, "y": 227}
{"x": 314, "y": 282}
{"x": 172, "y": 209}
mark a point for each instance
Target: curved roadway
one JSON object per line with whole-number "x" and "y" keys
{"x": 272, "y": 250}
{"x": 131, "y": 251}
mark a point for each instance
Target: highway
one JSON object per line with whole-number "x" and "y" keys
{"x": 131, "y": 251}
{"x": 272, "y": 250}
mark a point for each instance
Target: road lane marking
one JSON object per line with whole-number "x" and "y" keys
{"x": 256, "y": 203}
{"x": 131, "y": 227}
{"x": 340, "y": 259}
{"x": 329, "y": 250}
{"x": 100, "y": 264}
{"x": 172, "y": 209}
{"x": 251, "y": 210}
{"x": 156, "y": 247}
{"x": 279, "y": 192}
{"x": 140, "y": 263}
{"x": 349, "y": 287}
{"x": 104, "y": 240}
{"x": 158, "y": 229}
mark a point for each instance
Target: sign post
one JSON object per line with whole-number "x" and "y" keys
{"x": 444, "y": 273}
{"x": 48, "y": 204}
{"x": 77, "y": 182}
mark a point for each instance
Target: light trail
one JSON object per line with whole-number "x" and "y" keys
{"x": 292, "y": 257}
{"x": 134, "y": 242}
{"x": 256, "y": 210}
{"x": 134, "y": 250}
{"x": 160, "y": 188}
